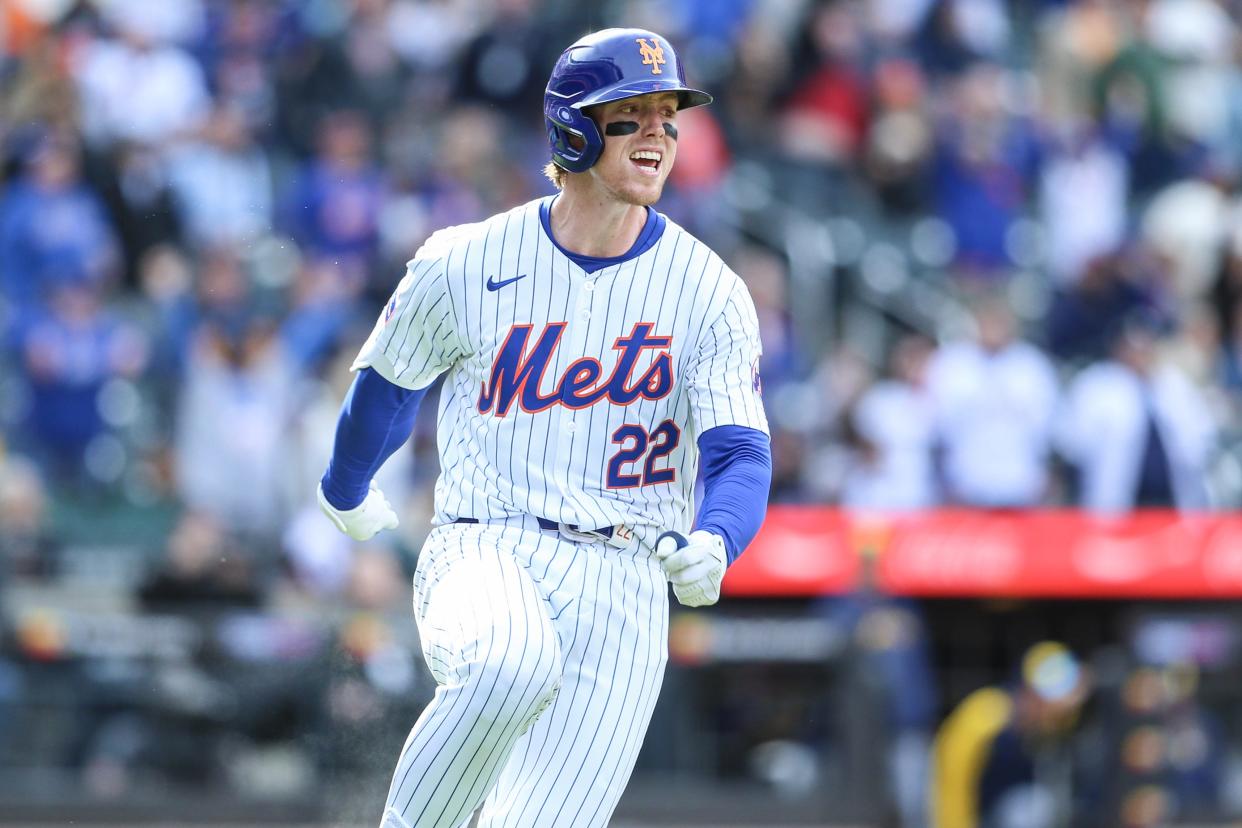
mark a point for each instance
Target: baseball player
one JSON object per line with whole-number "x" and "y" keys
{"x": 595, "y": 355}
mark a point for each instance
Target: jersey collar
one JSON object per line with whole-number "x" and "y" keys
{"x": 652, "y": 230}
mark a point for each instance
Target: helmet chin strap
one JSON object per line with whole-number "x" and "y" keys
{"x": 630, "y": 127}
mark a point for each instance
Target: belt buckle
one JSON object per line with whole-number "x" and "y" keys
{"x": 619, "y": 538}
{"x": 575, "y": 534}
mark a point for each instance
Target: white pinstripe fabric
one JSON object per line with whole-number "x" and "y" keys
{"x": 553, "y": 463}
{"x": 513, "y": 621}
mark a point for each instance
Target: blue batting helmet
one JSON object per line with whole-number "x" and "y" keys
{"x": 601, "y": 67}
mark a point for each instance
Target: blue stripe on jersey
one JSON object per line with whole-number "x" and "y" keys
{"x": 737, "y": 473}
{"x": 647, "y": 237}
{"x": 376, "y": 419}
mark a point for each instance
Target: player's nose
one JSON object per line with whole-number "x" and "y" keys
{"x": 652, "y": 125}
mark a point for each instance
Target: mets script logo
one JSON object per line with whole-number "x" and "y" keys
{"x": 653, "y": 54}
{"x": 518, "y": 373}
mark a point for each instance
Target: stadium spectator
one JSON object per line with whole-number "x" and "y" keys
{"x": 502, "y": 65}
{"x": 318, "y": 311}
{"x": 894, "y": 423}
{"x": 981, "y": 171}
{"x": 222, "y": 183}
{"x": 183, "y": 301}
{"x": 140, "y": 86}
{"x": 767, "y": 279}
{"x": 761, "y": 67}
{"x": 69, "y": 351}
{"x": 825, "y": 119}
{"x": 204, "y": 568}
{"x": 1194, "y": 349}
{"x": 899, "y": 141}
{"x": 165, "y": 277}
{"x": 1080, "y": 323}
{"x": 1171, "y": 750}
{"x": 240, "y": 47}
{"x": 1226, "y": 291}
{"x": 956, "y": 33}
{"x": 1231, "y": 362}
{"x": 472, "y": 171}
{"x": 377, "y": 75}
{"x": 809, "y": 457}
{"x": 54, "y": 230}
{"x": 1197, "y": 41}
{"x": 37, "y": 89}
{"x": 1083, "y": 191}
{"x": 994, "y": 398}
{"x": 1188, "y": 223}
{"x": 238, "y": 399}
{"x": 1137, "y": 430}
{"x": 27, "y": 544}
{"x": 134, "y": 182}
{"x": 333, "y": 207}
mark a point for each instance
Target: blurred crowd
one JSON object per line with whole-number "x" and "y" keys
{"x": 204, "y": 203}
{"x": 995, "y": 248}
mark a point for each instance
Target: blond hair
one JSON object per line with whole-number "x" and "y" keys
{"x": 556, "y": 174}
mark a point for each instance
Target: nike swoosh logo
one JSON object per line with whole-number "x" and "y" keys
{"x": 492, "y": 284}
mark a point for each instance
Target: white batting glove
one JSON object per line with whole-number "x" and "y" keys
{"x": 363, "y": 521}
{"x": 695, "y": 566}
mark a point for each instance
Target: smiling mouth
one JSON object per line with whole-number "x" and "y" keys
{"x": 647, "y": 161}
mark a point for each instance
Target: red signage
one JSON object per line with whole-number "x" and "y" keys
{"x": 804, "y": 551}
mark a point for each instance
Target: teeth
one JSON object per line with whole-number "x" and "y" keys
{"x": 646, "y": 155}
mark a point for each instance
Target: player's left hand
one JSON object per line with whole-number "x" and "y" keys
{"x": 695, "y": 566}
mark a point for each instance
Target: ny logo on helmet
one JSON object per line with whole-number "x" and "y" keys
{"x": 653, "y": 54}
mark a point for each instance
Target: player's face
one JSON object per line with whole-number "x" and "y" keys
{"x": 634, "y": 166}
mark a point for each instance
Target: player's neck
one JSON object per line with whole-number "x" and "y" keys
{"x": 593, "y": 224}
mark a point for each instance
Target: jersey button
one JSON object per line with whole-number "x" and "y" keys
{"x": 589, "y": 286}
{"x": 571, "y": 427}
{"x": 585, "y": 314}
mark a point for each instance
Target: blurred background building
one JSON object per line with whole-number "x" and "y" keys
{"x": 996, "y": 252}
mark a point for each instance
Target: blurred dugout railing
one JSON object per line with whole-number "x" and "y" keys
{"x": 854, "y": 274}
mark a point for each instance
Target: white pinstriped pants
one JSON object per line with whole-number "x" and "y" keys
{"x": 522, "y": 626}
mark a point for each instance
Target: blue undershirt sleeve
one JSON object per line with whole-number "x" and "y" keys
{"x": 737, "y": 474}
{"x": 376, "y": 419}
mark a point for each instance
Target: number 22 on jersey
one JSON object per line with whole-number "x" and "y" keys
{"x": 661, "y": 440}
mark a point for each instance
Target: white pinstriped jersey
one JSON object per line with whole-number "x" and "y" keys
{"x": 572, "y": 396}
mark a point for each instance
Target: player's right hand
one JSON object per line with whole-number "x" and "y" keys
{"x": 363, "y": 521}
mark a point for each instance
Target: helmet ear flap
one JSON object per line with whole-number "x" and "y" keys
{"x": 574, "y": 137}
